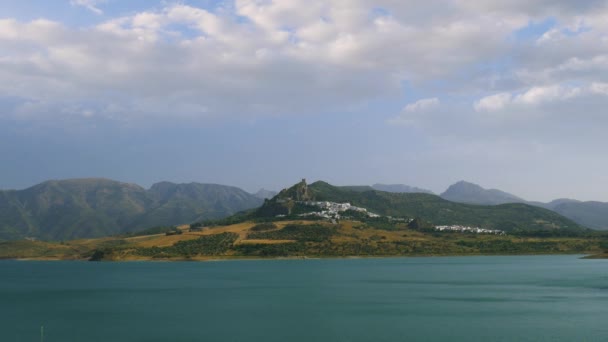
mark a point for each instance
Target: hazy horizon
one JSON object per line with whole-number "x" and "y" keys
{"x": 509, "y": 95}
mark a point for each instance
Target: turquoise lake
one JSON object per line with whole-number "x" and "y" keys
{"x": 515, "y": 298}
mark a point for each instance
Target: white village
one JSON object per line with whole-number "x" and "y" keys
{"x": 334, "y": 211}
{"x": 465, "y": 229}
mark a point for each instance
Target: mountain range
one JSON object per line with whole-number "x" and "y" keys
{"x": 82, "y": 208}
{"x": 590, "y": 214}
{"x": 322, "y": 220}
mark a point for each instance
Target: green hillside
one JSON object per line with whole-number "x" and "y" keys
{"x": 77, "y": 208}
{"x": 431, "y": 208}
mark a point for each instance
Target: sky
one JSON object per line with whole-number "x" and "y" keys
{"x": 509, "y": 94}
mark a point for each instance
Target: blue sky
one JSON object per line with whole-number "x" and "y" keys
{"x": 507, "y": 94}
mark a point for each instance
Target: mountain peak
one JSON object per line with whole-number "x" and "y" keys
{"x": 467, "y": 192}
{"x": 463, "y": 183}
{"x": 265, "y": 194}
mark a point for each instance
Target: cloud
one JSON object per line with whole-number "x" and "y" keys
{"x": 422, "y": 105}
{"x": 271, "y": 58}
{"x": 558, "y": 8}
{"x": 412, "y": 112}
{"x": 541, "y": 97}
{"x": 599, "y": 88}
{"x": 493, "y": 102}
{"x": 91, "y": 5}
{"x": 252, "y": 59}
{"x": 505, "y": 82}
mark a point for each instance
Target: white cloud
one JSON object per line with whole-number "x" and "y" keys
{"x": 422, "y": 105}
{"x": 509, "y": 96}
{"x": 538, "y": 97}
{"x": 414, "y": 112}
{"x": 288, "y": 57}
{"x": 91, "y": 5}
{"x": 493, "y": 102}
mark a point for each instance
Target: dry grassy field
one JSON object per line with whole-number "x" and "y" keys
{"x": 348, "y": 238}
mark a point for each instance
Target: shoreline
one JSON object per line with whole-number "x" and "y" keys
{"x": 587, "y": 256}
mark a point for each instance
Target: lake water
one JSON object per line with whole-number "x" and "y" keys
{"x": 527, "y": 298}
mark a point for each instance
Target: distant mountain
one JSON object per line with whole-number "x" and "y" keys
{"x": 264, "y": 194}
{"x": 555, "y": 203}
{"x": 465, "y": 192}
{"x": 79, "y": 208}
{"x": 400, "y": 188}
{"x": 589, "y": 214}
{"x": 431, "y": 208}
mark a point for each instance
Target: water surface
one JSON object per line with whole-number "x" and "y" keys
{"x": 521, "y": 298}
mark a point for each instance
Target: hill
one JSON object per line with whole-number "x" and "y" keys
{"x": 77, "y": 208}
{"x": 514, "y": 217}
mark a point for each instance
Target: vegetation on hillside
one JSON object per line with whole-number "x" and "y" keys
{"x": 264, "y": 226}
{"x": 209, "y": 245}
{"x": 276, "y": 229}
{"x": 303, "y": 239}
{"x": 78, "y": 208}
{"x": 302, "y": 233}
